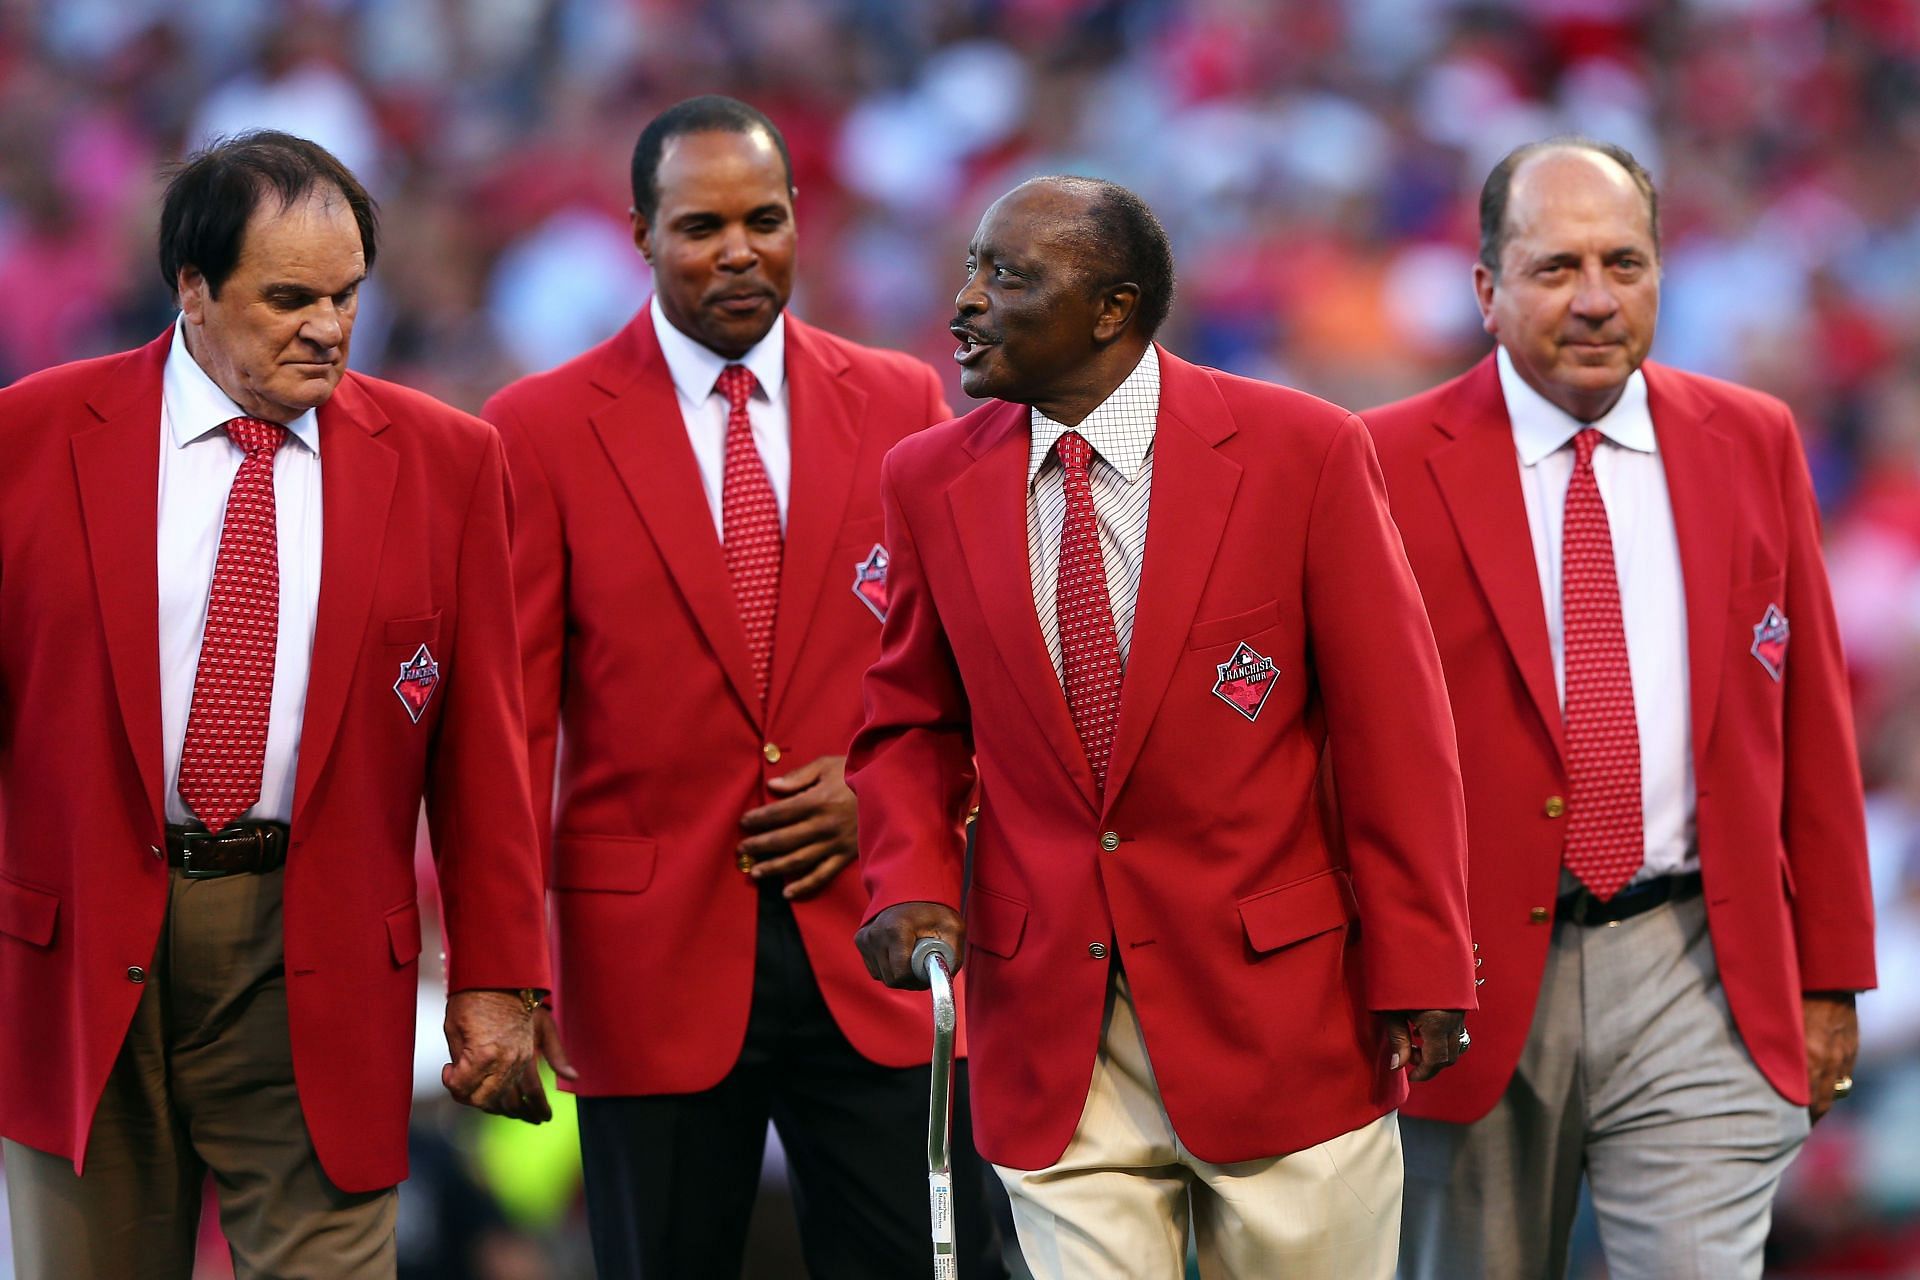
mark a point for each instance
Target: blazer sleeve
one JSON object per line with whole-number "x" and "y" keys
{"x": 540, "y": 605}
{"x": 1822, "y": 820}
{"x": 911, "y": 763}
{"x": 1390, "y": 732}
{"x": 478, "y": 808}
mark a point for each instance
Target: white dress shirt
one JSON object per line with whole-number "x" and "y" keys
{"x": 1653, "y": 598}
{"x": 197, "y": 466}
{"x": 1121, "y": 477}
{"x": 695, "y": 368}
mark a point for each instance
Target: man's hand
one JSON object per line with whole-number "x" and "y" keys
{"x": 492, "y": 1041}
{"x": 1425, "y": 1041}
{"x": 886, "y": 942}
{"x": 809, "y": 835}
{"x": 1833, "y": 1041}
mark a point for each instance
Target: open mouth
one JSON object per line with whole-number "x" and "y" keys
{"x": 971, "y": 347}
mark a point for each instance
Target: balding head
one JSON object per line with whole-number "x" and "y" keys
{"x": 1496, "y": 196}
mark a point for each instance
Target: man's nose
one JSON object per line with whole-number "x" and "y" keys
{"x": 971, "y": 300}
{"x": 1595, "y": 299}
{"x": 325, "y": 327}
{"x": 736, "y": 250}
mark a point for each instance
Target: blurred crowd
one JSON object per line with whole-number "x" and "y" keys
{"x": 1315, "y": 161}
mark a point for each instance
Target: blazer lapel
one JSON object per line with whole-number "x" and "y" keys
{"x": 357, "y": 475}
{"x": 117, "y": 466}
{"x": 823, "y": 411}
{"x": 1480, "y": 482}
{"x": 989, "y": 503}
{"x": 646, "y": 439}
{"x": 1193, "y": 488}
{"x": 1696, "y": 459}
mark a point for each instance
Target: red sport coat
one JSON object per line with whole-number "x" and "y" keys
{"x": 1781, "y": 834}
{"x": 414, "y": 552}
{"x": 1258, "y": 922}
{"x": 638, "y": 680}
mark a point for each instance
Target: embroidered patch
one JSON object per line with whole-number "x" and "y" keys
{"x": 1770, "y": 640}
{"x": 419, "y": 677}
{"x": 870, "y": 581}
{"x": 1246, "y": 680}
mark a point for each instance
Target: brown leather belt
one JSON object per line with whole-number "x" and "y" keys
{"x": 241, "y": 848}
{"x": 1584, "y": 908}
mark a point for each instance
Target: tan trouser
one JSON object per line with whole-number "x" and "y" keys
{"x": 203, "y": 1084}
{"x": 1119, "y": 1200}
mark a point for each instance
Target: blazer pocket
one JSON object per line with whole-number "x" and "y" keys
{"x": 411, "y": 633}
{"x": 603, "y": 864}
{"x": 403, "y": 933}
{"x": 995, "y": 922}
{"x": 867, "y": 531}
{"x": 1236, "y": 628}
{"x": 1280, "y": 917}
{"x": 27, "y": 913}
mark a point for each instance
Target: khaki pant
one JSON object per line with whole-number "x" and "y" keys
{"x": 1119, "y": 1201}
{"x": 203, "y": 1084}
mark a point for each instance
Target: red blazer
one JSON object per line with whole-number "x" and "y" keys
{"x": 1258, "y": 924}
{"x": 634, "y": 649}
{"x": 414, "y": 552}
{"x": 1781, "y": 834}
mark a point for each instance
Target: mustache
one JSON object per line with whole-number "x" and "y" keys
{"x": 961, "y": 329}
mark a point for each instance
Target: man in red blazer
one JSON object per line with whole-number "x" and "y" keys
{"x": 702, "y": 575}
{"x": 1669, "y": 875}
{"x": 252, "y": 608}
{"x": 1197, "y": 981}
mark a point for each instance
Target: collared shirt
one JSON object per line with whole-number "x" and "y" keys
{"x": 695, "y": 369}
{"x": 1121, "y": 477}
{"x": 1653, "y": 599}
{"x": 197, "y": 466}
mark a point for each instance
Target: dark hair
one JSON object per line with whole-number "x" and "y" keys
{"x": 1493, "y": 196}
{"x": 708, "y": 113}
{"x": 1125, "y": 244}
{"x": 211, "y": 197}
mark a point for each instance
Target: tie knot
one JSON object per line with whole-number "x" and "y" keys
{"x": 1583, "y": 446}
{"x": 736, "y": 382}
{"x": 255, "y": 436}
{"x": 1075, "y": 453}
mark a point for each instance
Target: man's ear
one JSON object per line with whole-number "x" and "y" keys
{"x": 1484, "y": 283}
{"x": 642, "y": 235}
{"x": 1119, "y": 304}
{"x": 194, "y": 293}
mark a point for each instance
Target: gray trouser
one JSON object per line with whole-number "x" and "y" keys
{"x": 1633, "y": 1076}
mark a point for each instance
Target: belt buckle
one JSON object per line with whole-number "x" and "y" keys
{"x": 189, "y": 840}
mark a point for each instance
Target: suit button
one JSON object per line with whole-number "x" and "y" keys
{"x": 1098, "y": 950}
{"x": 135, "y": 974}
{"x": 771, "y": 752}
{"x": 1554, "y": 807}
{"x": 1110, "y": 841}
{"x": 1539, "y": 915}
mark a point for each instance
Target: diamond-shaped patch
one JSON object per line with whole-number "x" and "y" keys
{"x": 1246, "y": 680}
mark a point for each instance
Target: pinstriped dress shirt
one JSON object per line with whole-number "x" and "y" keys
{"x": 1121, "y": 477}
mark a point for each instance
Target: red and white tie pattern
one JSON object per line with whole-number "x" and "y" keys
{"x": 226, "y": 742}
{"x": 1606, "y": 840}
{"x": 750, "y": 524}
{"x": 1089, "y": 645}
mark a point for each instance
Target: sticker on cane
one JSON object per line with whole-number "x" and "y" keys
{"x": 940, "y": 1203}
{"x": 1246, "y": 681}
{"x": 870, "y": 581}
{"x": 1770, "y": 641}
{"x": 419, "y": 677}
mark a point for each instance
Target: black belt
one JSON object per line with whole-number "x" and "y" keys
{"x": 238, "y": 848}
{"x": 1583, "y": 908}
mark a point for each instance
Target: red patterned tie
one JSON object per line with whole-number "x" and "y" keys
{"x": 226, "y": 742}
{"x": 750, "y": 518}
{"x": 1606, "y": 841}
{"x": 1089, "y": 646}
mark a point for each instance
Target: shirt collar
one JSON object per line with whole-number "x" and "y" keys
{"x": 197, "y": 407}
{"x": 1114, "y": 428}
{"x": 696, "y": 367}
{"x": 1541, "y": 427}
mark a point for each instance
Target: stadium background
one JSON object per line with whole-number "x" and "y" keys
{"x": 1315, "y": 162}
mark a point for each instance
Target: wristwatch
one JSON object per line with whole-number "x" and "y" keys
{"x": 531, "y": 998}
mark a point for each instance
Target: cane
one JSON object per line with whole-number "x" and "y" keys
{"x": 933, "y": 964}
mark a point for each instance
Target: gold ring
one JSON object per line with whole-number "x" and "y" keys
{"x": 1842, "y": 1087}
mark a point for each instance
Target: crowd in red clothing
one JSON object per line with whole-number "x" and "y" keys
{"x": 1315, "y": 161}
